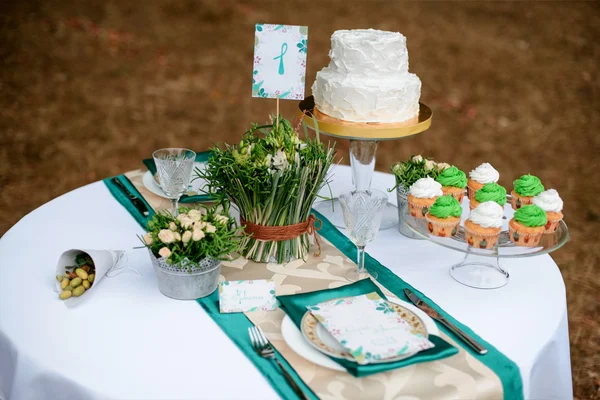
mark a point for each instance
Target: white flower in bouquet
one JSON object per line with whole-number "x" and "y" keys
{"x": 185, "y": 221}
{"x": 195, "y": 215}
{"x": 164, "y": 252}
{"x": 197, "y": 235}
{"x": 280, "y": 160}
{"x": 148, "y": 238}
{"x": 166, "y": 236}
{"x": 186, "y": 237}
{"x": 268, "y": 160}
{"x": 199, "y": 225}
{"x": 223, "y": 219}
{"x": 417, "y": 158}
{"x": 177, "y": 236}
{"x": 442, "y": 166}
{"x": 429, "y": 165}
{"x": 210, "y": 228}
{"x": 172, "y": 226}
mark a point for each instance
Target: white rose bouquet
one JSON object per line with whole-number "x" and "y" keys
{"x": 273, "y": 177}
{"x": 193, "y": 235}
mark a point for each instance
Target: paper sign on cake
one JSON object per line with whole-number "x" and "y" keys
{"x": 245, "y": 296}
{"x": 279, "y": 61}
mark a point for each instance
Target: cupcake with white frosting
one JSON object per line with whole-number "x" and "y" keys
{"x": 481, "y": 175}
{"x": 421, "y": 195}
{"x": 552, "y": 204}
{"x": 482, "y": 228}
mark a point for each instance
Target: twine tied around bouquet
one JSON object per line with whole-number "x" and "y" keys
{"x": 285, "y": 232}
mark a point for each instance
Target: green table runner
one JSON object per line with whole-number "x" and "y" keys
{"x": 235, "y": 325}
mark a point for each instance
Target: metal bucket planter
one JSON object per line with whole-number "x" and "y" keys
{"x": 402, "y": 196}
{"x": 181, "y": 283}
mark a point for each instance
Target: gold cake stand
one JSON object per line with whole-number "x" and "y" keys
{"x": 364, "y": 139}
{"x": 365, "y": 130}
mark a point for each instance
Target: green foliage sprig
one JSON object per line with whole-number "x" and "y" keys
{"x": 415, "y": 168}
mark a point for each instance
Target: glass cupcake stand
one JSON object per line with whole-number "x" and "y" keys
{"x": 364, "y": 139}
{"x": 481, "y": 268}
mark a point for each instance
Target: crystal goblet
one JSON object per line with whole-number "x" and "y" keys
{"x": 363, "y": 210}
{"x": 174, "y": 167}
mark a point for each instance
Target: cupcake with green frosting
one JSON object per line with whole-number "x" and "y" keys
{"x": 453, "y": 182}
{"x": 488, "y": 192}
{"x": 527, "y": 226}
{"x": 525, "y": 189}
{"x": 443, "y": 217}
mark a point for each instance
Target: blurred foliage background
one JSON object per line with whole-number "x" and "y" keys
{"x": 90, "y": 88}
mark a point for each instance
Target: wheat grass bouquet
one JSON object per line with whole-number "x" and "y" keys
{"x": 273, "y": 177}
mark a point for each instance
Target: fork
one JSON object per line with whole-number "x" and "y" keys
{"x": 265, "y": 350}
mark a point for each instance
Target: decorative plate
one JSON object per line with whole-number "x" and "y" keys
{"x": 317, "y": 336}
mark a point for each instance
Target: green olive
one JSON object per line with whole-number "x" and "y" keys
{"x": 81, "y": 273}
{"x": 86, "y": 284}
{"x": 78, "y": 291}
{"x": 91, "y": 277}
{"x": 64, "y": 283}
{"x": 65, "y": 294}
{"x": 69, "y": 288}
{"x": 76, "y": 282}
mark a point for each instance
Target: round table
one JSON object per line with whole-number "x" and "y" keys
{"x": 129, "y": 341}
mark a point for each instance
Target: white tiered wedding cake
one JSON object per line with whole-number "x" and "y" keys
{"x": 367, "y": 79}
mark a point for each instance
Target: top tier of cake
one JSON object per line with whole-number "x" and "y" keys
{"x": 367, "y": 79}
{"x": 363, "y": 51}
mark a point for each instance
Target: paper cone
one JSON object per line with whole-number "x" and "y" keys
{"x": 104, "y": 261}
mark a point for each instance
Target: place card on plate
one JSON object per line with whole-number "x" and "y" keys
{"x": 279, "y": 61}
{"x": 246, "y": 296}
{"x": 369, "y": 328}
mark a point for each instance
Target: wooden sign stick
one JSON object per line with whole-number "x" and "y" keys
{"x": 277, "y": 115}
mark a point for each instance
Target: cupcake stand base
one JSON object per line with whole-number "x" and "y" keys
{"x": 480, "y": 272}
{"x": 481, "y": 268}
{"x": 364, "y": 139}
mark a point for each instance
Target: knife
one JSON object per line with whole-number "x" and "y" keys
{"x": 139, "y": 204}
{"x": 435, "y": 315}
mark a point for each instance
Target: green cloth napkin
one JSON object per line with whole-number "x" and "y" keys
{"x": 294, "y": 305}
{"x": 200, "y": 157}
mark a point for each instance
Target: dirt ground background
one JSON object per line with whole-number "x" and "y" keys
{"x": 90, "y": 88}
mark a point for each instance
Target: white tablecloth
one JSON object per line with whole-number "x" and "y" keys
{"x": 127, "y": 341}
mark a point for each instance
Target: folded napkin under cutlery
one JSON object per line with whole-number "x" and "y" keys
{"x": 295, "y": 306}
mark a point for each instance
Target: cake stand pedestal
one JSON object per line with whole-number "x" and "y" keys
{"x": 364, "y": 139}
{"x": 481, "y": 268}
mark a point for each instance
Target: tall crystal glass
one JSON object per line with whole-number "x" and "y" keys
{"x": 363, "y": 210}
{"x": 174, "y": 167}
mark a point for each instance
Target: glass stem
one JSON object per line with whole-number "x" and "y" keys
{"x": 174, "y": 208}
{"x": 360, "y": 259}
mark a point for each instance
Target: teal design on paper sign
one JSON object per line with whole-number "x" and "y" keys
{"x": 280, "y": 57}
{"x": 279, "y": 61}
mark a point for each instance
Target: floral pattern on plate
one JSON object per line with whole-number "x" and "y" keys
{"x": 380, "y": 334}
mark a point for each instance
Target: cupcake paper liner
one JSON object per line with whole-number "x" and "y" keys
{"x": 552, "y": 225}
{"x": 524, "y": 239}
{"x": 517, "y": 201}
{"x": 442, "y": 229}
{"x": 481, "y": 240}
{"x": 454, "y": 193}
{"x": 419, "y": 210}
